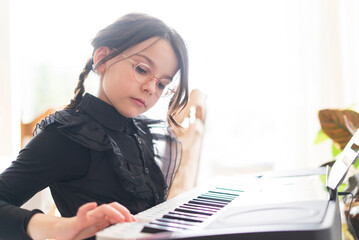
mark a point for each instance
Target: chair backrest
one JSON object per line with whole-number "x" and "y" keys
{"x": 41, "y": 200}
{"x": 28, "y": 128}
{"x": 193, "y": 119}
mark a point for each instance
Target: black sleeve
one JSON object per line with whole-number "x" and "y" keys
{"x": 48, "y": 158}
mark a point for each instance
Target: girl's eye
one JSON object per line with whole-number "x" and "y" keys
{"x": 163, "y": 83}
{"x": 143, "y": 69}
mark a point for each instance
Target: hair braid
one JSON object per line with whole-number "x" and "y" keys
{"x": 80, "y": 88}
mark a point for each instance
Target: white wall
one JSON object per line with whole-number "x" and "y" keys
{"x": 9, "y": 94}
{"x": 5, "y": 83}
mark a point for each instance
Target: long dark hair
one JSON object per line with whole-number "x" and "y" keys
{"x": 128, "y": 31}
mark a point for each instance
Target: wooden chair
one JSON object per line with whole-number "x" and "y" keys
{"x": 28, "y": 128}
{"x": 193, "y": 119}
{"x": 42, "y": 200}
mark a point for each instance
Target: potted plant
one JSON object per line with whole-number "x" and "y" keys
{"x": 339, "y": 126}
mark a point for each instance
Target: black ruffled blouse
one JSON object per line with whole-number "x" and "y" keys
{"x": 92, "y": 154}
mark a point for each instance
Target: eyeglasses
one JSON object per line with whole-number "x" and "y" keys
{"x": 143, "y": 74}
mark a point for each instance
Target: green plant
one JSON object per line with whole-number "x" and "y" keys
{"x": 339, "y": 126}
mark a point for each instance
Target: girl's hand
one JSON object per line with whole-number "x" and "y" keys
{"x": 91, "y": 218}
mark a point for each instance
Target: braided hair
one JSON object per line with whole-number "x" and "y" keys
{"x": 126, "y": 32}
{"x": 80, "y": 88}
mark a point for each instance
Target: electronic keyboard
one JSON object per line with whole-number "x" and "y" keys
{"x": 290, "y": 206}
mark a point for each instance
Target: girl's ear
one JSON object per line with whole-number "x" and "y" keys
{"x": 100, "y": 53}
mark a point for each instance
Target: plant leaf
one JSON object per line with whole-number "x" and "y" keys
{"x": 356, "y": 164}
{"x": 339, "y": 124}
{"x": 321, "y": 137}
{"x": 342, "y": 187}
{"x": 335, "y": 150}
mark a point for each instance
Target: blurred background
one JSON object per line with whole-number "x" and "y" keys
{"x": 266, "y": 68}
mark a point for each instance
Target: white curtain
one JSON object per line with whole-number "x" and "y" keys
{"x": 290, "y": 59}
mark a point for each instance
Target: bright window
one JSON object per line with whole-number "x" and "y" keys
{"x": 266, "y": 67}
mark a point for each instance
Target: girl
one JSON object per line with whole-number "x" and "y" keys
{"x": 101, "y": 159}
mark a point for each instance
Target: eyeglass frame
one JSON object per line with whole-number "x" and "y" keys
{"x": 170, "y": 90}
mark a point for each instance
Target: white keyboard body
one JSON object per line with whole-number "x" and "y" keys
{"x": 261, "y": 204}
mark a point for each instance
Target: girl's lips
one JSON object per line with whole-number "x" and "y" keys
{"x": 139, "y": 102}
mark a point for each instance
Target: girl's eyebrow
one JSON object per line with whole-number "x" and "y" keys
{"x": 149, "y": 60}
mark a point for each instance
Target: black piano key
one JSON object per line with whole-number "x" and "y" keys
{"x": 155, "y": 228}
{"x": 178, "y": 217}
{"x": 188, "y": 215}
{"x": 216, "y": 199}
{"x": 149, "y": 228}
{"x": 230, "y": 198}
{"x": 210, "y": 201}
{"x": 192, "y": 211}
{"x": 206, "y": 203}
{"x": 202, "y": 206}
{"x": 230, "y": 194}
{"x": 210, "y": 211}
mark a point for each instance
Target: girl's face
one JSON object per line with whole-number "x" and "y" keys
{"x": 118, "y": 85}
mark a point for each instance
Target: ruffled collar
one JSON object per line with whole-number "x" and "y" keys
{"x": 95, "y": 126}
{"x": 105, "y": 114}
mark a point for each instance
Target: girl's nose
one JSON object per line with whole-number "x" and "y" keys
{"x": 150, "y": 86}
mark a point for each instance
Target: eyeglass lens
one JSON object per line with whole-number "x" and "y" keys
{"x": 143, "y": 73}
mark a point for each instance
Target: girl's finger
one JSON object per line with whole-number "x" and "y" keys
{"x": 108, "y": 212}
{"x": 85, "y": 208}
{"x": 125, "y": 212}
